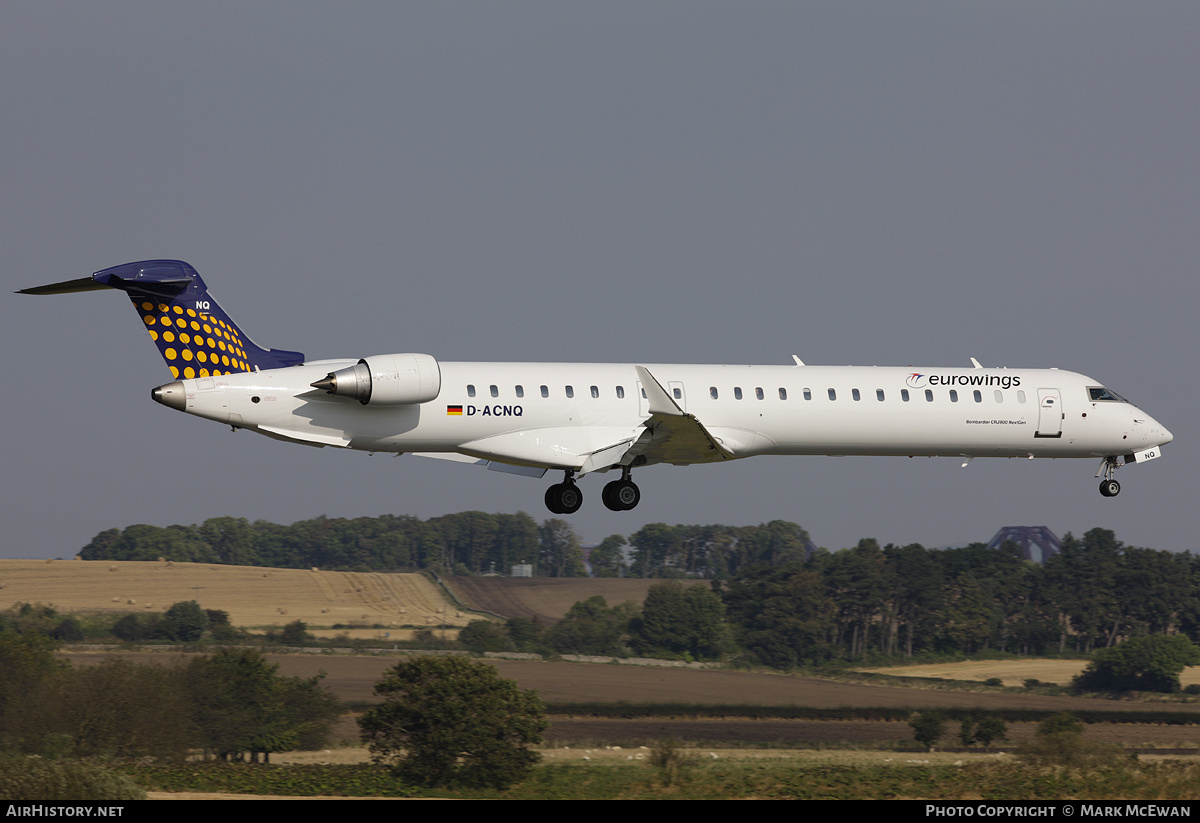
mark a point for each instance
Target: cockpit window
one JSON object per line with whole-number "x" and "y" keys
{"x": 1101, "y": 393}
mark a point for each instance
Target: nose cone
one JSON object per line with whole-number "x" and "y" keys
{"x": 171, "y": 395}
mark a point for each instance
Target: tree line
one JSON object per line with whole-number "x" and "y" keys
{"x": 230, "y": 705}
{"x": 784, "y": 602}
{"x": 902, "y": 601}
{"x": 463, "y": 543}
{"x": 892, "y": 602}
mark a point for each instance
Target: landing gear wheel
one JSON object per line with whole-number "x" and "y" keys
{"x": 627, "y": 494}
{"x": 1110, "y": 488}
{"x": 564, "y": 498}
{"x": 621, "y": 495}
{"x": 570, "y": 498}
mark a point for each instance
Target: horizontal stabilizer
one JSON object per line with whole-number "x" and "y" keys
{"x": 66, "y": 287}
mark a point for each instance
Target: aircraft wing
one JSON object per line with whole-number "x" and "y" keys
{"x": 672, "y": 435}
{"x": 668, "y": 435}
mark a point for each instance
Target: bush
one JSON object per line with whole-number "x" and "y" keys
{"x": 1059, "y": 742}
{"x": 23, "y": 779}
{"x": 1151, "y": 664}
{"x": 449, "y": 721}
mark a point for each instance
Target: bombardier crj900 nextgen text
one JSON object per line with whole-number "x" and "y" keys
{"x": 578, "y": 418}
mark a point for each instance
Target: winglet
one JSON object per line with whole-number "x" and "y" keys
{"x": 975, "y": 363}
{"x": 799, "y": 362}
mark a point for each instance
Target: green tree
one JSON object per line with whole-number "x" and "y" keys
{"x": 592, "y": 627}
{"x": 121, "y": 709}
{"x": 184, "y": 621}
{"x": 1151, "y": 664}
{"x": 782, "y": 615}
{"x": 679, "y": 620}
{"x": 27, "y": 670}
{"x": 241, "y": 704}
{"x": 989, "y": 729}
{"x": 449, "y": 721}
{"x": 928, "y": 728}
{"x": 559, "y": 550}
{"x": 606, "y": 559}
{"x": 295, "y": 634}
{"x": 485, "y": 636}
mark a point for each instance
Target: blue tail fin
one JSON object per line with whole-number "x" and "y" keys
{"x": 194, "y": 335}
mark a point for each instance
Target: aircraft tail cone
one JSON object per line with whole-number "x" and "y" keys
{"x": 328, "y": 384}
{"x": 171, "y": 395}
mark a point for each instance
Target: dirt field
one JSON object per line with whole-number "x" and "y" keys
{"x": 546, "y": 598}
{"x": 353, "y": 679}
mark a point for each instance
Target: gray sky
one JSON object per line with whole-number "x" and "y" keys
{"x": 857, "y": 183}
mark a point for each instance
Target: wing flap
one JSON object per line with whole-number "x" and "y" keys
{"x": 557, "y": 447}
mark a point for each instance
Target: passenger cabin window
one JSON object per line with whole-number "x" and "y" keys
{"x": 570, "y": 391}
{"x": 808, "y": 394}
{"x": 678, "y": 393}
{"x": 545, "y": 391}
{"x": 879, "y": 395}
{"x": 470, "y": 390}
{"x": 954, "y": 395}
{"x": 1020, "y": 396}
{"x": 782, "y": 393}
{"x": 520, "y": 391}
{"x": 978, "y": 396}
{"x": 712, "y": 392}
{"x": 737, "y": 392}
{"x": 620, "y": 392}
{"x": 832, "y": 394}
{"x": 596, "y": 392}
{"x": 904, "y": 395}
{"x": 494, "y": 390}
{"x": 999, "y": 396}
{"x": 929, "y": 395}
{"x": 854, "y": 393}
{"x": 758, "y": 392}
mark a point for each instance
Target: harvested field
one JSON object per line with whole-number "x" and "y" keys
{"x": 1011, "y": 672}
{"x": 253, "y": 596}
{"x": 546, "y": 598}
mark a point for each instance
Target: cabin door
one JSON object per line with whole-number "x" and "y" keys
{"x": 1050, "y": 413}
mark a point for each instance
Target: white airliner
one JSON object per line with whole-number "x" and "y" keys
{"x": 579, "y": 418}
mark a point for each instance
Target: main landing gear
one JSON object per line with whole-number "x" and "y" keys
{"x": 1109, "y": 487}
{"x": 618, "y": 496}
{"x": 564, "y": 497}
{"x": 621, "y": 495}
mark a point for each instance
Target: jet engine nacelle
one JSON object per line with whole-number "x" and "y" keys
{"x": 387, "y": 380}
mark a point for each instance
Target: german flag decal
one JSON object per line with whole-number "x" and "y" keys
{"x": 454, "y": 410}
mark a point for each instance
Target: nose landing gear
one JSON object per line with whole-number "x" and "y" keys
{"x": 1109, "y": 487}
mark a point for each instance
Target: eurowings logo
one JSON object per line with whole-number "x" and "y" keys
{"x": 916, "y": 380}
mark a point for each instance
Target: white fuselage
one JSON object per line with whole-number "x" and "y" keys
{"x": 548, "y": 414}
